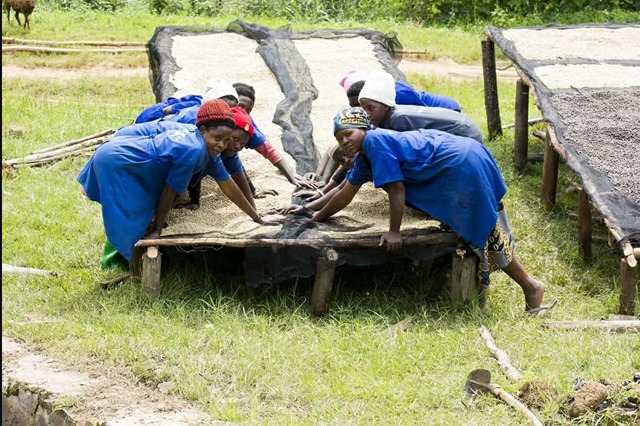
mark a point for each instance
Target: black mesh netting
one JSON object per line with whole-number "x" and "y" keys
{"x": 598, "y": 127}
{"x": 276, "y": 262}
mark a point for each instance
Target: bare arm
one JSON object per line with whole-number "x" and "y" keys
{"x": 396, "y": 211}
{"x": 322, "y": 201}
{"x": 231, "y": 190}
{"x": 338, "y": 202}
{"x": 164, "y": 205}
{"x": 243, "y": 183}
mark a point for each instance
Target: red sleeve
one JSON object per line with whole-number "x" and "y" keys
{"x": 269, "y": 152}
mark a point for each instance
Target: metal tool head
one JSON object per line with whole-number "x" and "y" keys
{"x": 477, "y": 381}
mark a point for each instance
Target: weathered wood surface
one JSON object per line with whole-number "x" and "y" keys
{"x": 521, "y": 131}
{"x": 490, "y": 78}
{"x": 621, "y": 325}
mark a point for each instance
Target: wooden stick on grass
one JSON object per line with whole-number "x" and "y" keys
{"x": 501, "y": 356}
{"x": 617, "y": 326}
{"x": 40, "y": 49}
{"x": 107, "y": 132}
{"x": 9, "y": 40}
{"x": 10, "y": 269}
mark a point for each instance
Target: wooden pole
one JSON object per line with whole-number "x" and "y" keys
{"x": 10, "y": 269}
{"x": 9, "y": 40}
{"x": 373, "y": 241}
{"x": 512, "y": 401}
{"x": 584, "y": 225}
{"x": 621, "y": 325}
{"x": 34, "y": 49}
{"x": 323, "y": 285}
{"x": 151, "y": 265}
{"x": 76, "y": 141}
{"x": 48, "y": 160}
{"x": 504, "y": 362}
{"x": 628, "y": 291}
{"x": 549, "y": 174}
{"x": 490, "y": 78}
{"x": 521, "y": 131}
{"x": 464, "y": 276}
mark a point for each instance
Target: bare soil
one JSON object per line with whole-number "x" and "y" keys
{"x": 91, "y": 392}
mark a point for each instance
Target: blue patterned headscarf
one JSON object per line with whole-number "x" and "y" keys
{"x": 349, "y": 118}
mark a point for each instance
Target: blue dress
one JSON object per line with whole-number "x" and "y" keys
{"x": 407, "y": 95}
{"x": 155, "y": 111}
{"x": 452, "y": 178}
{"x": 189, "y": 115}
{"x": 127, "y": 174}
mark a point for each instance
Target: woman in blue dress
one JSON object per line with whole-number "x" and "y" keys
{"x": 377, "y": 98}
{"x": 454, "y": 179}
{"x": 136, "y": 178}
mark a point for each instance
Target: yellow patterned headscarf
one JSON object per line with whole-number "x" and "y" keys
{"x": 349, "y": 118}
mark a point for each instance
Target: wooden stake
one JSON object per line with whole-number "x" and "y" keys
{"x": 34, "y": 49}
{"x": 628, "y": 291}
{"x": 48, "y": 160}
{"x": 601, "y": 325}
{"x": 584, "y": 225}
{"x": 521, "y": 131}
{"x": 151, "y": 265}
{"x": 10, "y": 269}
{"x": 76, "y": 141}
{"x": 323, "y": 285}
{"x": 501, "y": 356}
{"x": 490, "y": 77}
{"x": 9, "y": 40}
{"x": 464, "y": 276}
{"x": 549, "y": 174}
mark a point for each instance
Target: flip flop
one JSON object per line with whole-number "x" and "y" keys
{"x": 545, "y": 307}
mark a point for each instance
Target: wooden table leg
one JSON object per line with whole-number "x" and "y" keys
{"x": 549, "y": 175}
{"x": 521, "y": 130}
{"x": 325, "y": 272}
{"x": 584, "y": 225}
{"x": 151, "y": 265}
{"x": 628, "y": 291}
{"x": 490, "y": 77}
{"x": 464, "y": 276}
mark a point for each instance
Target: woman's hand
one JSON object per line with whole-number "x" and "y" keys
{"x": 308, "y": 194}
{"x": 392, "y": 239}
{"x": 265, "y": 193}
{"x": 303, "y": 182}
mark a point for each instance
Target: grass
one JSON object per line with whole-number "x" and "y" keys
{"x": 256, "y": 355}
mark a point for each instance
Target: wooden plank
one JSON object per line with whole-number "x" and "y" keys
{"x": 41, "y": 49}
{"x": 521, "y": 131}
{"x": 323, "y": 284}
{"x": 370, "y": 241}
{"x": 490, "y": 78}
{"x": 621, "y": 325}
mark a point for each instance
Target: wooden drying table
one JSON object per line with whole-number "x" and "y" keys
{"x": 146, "y": 260}
{"x": 552, "y": 153}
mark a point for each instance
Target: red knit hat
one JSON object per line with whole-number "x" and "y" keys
{"x": 243, "y": 121}
{"x": 215, "y": 113}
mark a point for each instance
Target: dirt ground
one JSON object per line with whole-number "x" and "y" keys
{"x": 91, "y": 392}
{"x": 439, "y": 68}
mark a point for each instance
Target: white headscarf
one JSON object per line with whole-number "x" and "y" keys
{"x": 218, "y": 88}
{"x": 380, "y": 89}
